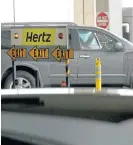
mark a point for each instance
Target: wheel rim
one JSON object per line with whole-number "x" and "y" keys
{"x": 22, "y": 83}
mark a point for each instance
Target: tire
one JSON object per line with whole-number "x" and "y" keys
{"x": 131, "y": 82}
{"x": 22, "y": 75}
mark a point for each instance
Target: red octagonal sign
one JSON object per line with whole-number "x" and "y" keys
{"x": 102, "y": 20}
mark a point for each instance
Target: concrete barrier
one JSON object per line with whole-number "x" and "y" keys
{"x": 117, "y": 100}
{"x": 5, "y": 93}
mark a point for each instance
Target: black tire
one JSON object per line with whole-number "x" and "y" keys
{"x": 131, "y": 82}
{"x": 20, "y": 73}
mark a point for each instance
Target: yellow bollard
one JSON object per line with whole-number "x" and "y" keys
{"x": 98, "y": 75}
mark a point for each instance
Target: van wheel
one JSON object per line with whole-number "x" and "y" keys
{"x": 25, "y": 80}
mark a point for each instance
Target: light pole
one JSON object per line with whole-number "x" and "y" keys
{"x": 13, "y": 62}
{"x": 83, "y": 12}
{"x": 14, "y": 12}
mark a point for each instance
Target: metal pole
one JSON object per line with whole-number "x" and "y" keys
{"x": 14, "y": 12}
{"x": 14, "y": 73}
{"x": 13, "y": 62}
{"x": 67, "y": 72}
{"x": 67, "y": 61}
{"x": 83, "y": 13}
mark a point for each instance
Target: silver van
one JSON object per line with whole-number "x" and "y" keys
{"x": 116, "y": 56}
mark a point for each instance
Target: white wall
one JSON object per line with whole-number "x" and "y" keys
{"x": 115, "y": 15}
{"x": 84, "y": 16}
{"x": 6, "y": 11}
{"x": 127, "y": 3}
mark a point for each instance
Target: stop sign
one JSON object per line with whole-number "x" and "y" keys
{"x": 102, "y": 20}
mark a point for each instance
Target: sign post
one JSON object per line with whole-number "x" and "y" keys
{"x": 13, "y": 67}
{"x": 67, "y": 61}
{"x": 14, "y": 73}
{"x": 51, "y": 41}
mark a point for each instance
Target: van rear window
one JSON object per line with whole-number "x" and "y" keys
{"x": 5, "y": 38}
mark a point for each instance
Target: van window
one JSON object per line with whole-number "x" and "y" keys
{"x": 5, "y": 38}
{"x": 106, "y": 42}
{"x": 88, "y": 39}
{"x": 70, "y": 38}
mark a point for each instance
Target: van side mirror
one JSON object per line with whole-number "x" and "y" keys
{"x": 119, "y": 46}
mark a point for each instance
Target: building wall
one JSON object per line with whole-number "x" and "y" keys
{"x": 86, "y": 11}
{"x": 128, "y": 18}
{"x": 89, "y": 12}
{"x": 78, "y": 11}
{"x": 115, "y": 14}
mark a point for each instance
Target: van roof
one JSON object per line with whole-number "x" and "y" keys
{"x": 32, "y": 24}
{"x": 41, "y": 24}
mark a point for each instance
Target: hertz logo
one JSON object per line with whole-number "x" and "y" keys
{"x": 33, "y": 37}
{"x": 38, "y": 36}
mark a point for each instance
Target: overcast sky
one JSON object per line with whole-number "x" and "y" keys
{"x": 41, "y": 10}
{"x": 127, "y": 3}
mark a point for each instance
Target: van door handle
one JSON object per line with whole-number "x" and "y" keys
{"x": 84, "y": 56}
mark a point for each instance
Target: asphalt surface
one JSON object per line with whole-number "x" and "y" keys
{"x": 38, "y": 128}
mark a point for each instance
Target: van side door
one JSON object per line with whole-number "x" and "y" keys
{"x": 92, "y": 48}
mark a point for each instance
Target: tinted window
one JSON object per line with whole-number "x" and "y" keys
{"x": 70, "y": 38}
{"x": 88, "y": 39}
{"x": 5, "y": 38}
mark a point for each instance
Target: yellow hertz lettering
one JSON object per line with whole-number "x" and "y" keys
{"x": 39, "y": 36}
{"x": 43, "y": 37}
